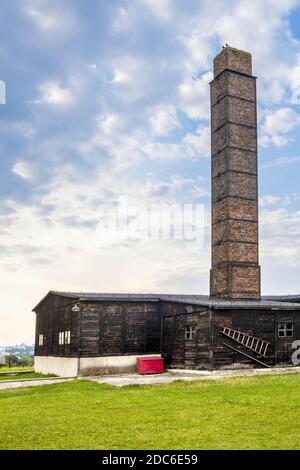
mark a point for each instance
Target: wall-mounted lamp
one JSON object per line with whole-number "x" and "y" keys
{"x": 76, "y": 308}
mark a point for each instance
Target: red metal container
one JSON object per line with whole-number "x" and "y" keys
{"x": 150, "y": 365}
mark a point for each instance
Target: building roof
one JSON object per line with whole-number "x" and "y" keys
{"x": 267, "y": 302}
{"x": 283, "y": 298}
{"x": 216, "y": 303}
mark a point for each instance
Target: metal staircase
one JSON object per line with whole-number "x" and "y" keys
{"x": 257, "y": 345}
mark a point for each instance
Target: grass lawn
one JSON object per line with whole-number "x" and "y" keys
{"x": 237, "y": 413}
{"x": 15, "y": 369}
{"x": 29, "y": 375}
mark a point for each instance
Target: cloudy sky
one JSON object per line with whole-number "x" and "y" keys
{"x": 110, "y": 98}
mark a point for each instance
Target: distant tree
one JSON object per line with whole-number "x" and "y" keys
{"x": 26, "y": 361}
{"x": 12, "y": 360}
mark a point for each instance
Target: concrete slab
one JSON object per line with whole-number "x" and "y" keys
{"x": 187, "y": 375}
{"x": 167, "y": 377}
{"x": 135, "y": 379}
{"x": 218, "y": 374}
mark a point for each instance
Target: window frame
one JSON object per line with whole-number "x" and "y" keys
{"x": 282, "y": 327}
{"x": 61, "y": 338}
{"x": 41, "y": 339}
{"x": 67, "y": 337}
{"x": 190, "y": 332}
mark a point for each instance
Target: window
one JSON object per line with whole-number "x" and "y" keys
{"x": 285, "y": 330}
{"x": 61, "y": 337}
{"x": 190, "y": 332}
{"x": 67, "y": 337}
{"x": 41, "y": 340}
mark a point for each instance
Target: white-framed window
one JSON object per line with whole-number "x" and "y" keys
{"x": 67, "y": 337}
{"x": 61, "y": 337}
{"x": 285, "y": 330}
{"x": 41, "y": 340}
{"x": 190, "y": 332}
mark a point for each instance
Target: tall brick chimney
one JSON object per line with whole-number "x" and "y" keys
{"x": 235, "y": 272}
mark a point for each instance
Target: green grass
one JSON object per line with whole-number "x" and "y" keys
{"x": 238, "y": 413}
{"x": 15, "y": 369}
{"x": 29, "y": 375}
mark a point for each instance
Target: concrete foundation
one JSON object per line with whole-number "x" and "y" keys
{"x": 86, "y": 366}
{"x": 61, "y": 366}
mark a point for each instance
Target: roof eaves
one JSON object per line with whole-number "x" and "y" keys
{"x": 51, "y": 292}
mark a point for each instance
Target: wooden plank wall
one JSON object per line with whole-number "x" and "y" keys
{"x": 180, "y": 353}
{"x": 222, "y": 356}
{"x": 100, "y": 329}
{"x": 259, "y": 323}
{"x": 283, "y": 346}
{"x": 119, "y": 328}
{"x": 55, "y": 315}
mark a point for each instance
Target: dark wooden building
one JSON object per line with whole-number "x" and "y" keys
{"x": 84, "y": 334}
{"x": 210, "y": 334}
{"x": 78, "y": 333}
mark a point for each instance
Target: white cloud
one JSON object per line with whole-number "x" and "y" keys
{"x": 23, "y": 169}
{"x": 277, "y": 124}
{"x": 162, "y": 150}
{"x": 277, "y": 247}
{"x": 281, "y": 161}
{"x": 280, "y": 249}
{"x": 113, "y": 138}
{"x": 164, "y": 120}
{"x": 198, "y": 48}
{"x": 110, "y": 124}
{"x": 192, "y": 147}
{"x": 199, "y": 143}
{"x": 52, "y": 20}
{"x": 45, "y": 21}
{"x": 121, "y": 77}
{"x": 272, "y": 91}
{"x": 161, "y": 9}
{"x": 293, "y": 78}
{"x": 54, "y": 94}
{"x": 194, "y": 96}
{"x": 53, "y": 242}
{"x": 123, "y": 19}
{"x": 25, "y": 129}
{"x": 266, "y": 200}
{"x": 130, "y": 75}
{"x": 281, "y": 121}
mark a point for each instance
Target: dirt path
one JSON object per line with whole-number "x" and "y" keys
{"x": 5, "y": 384}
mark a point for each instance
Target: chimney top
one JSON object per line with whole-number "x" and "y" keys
{"x": 233, "y": 59}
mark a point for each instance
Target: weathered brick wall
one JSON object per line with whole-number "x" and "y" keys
{"x": 236, "y": 85}
{"x": 235, "y": 184}
{"x": 235, "y": 271}
{"x": 237, "y": 230}
{"x": 231, "y": 109}
{"x": 233, "y": 59}
{"x": 233, "y": 208}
